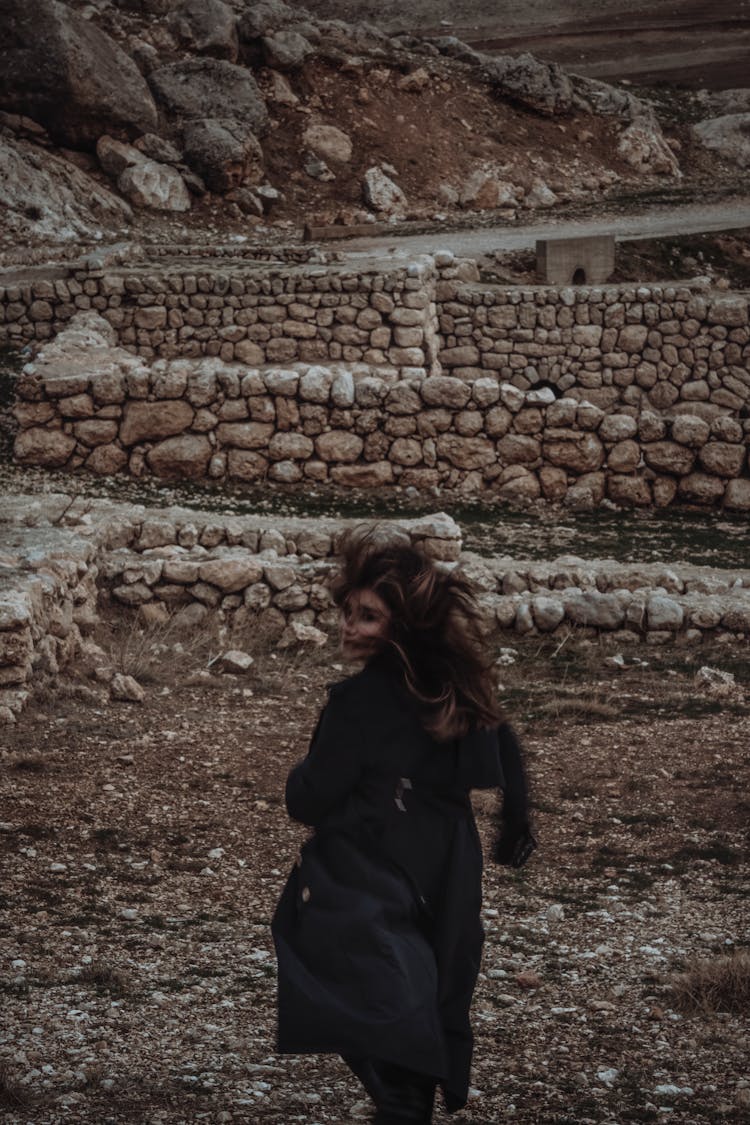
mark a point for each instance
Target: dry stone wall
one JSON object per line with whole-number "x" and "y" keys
{"x": 65, "y": 565}
{"x": 420, "y": 377}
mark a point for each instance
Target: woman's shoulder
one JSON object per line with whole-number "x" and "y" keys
{"x": 375, "y": 680}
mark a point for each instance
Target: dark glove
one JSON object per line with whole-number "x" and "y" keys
{"x": 514, "y": 845}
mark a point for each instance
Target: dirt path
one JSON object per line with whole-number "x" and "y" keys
{"x": 654, "y": 222}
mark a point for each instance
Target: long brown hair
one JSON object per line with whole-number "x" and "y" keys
{"x": 435, "y": 634}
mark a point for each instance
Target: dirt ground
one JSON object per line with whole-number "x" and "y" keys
{"x": 690, "y": 43}
{"x": 144, "y": 846}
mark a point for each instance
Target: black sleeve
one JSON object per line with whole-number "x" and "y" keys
{"x": 515, "y": 841}
{"x": 332, "y": 767}
{"x": 515, "y": 787}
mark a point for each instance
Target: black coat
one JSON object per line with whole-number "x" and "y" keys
{"x": 378, "y": 932}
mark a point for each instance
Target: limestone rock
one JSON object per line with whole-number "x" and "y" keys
{"x": 737, "y": 495}
{"x": 206, "y": 27}
{"x": 722, "y": 459}
{"x": 286, "y": 50}
{"x": 106, "y": 460}
{"x": 690, "y": 430}
{"x": 548, "y": 612}
{"x": 231, "y": 571}
{"x": 540, "y": 194}
{"x": 236, "y": 662}
{"x": 184, "y": 456}
{"x": 297, "y": 633}
{"x": 155, "y": 186}
{"x": 732, "y": 309}
{"x": 643, "y": 146}
{"x": 624, "y": 456}
{"x": 668, "y": 457}
{"x": 382, "y": 194}
{"x": 728, "y": 135}
{"x": 664, "y": 612}
{"x": 48, "y": 448}
{"x": 147, "y": 421}
{"x": 223, "y": 152}
{"x": 211, "y": 88}
{"x": 329, "y": 143}
{"x": 371, "y": 475}
{"x": 486, "y": 190}
{"x": 126, "y": 689}
{"x": 339, "y": 446}
{"x": 701, "y": 488}
{"x": 51, "y": 198}
{"x": 444, "y": 390}
{"x": 603, "y": 611}
{"x": 466, "y": 452}
{"x": 67, "y": 74}
{"x": 583, "y": 453}
{"x": 629, "y": 491}
{"x": 543, "y": 87}
{"x": 115, "y": 156}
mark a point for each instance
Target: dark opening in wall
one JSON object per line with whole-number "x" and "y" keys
{"x": 579, "y": 277}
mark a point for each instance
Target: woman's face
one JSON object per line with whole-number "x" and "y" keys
{"x": 365, "y": 624}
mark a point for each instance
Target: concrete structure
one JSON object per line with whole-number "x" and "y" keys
{"x": 575, "y": 261}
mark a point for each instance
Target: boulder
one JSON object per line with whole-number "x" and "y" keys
{"x": 728, "y": 136}
{"x": 540, "y": 194}
{"x": 223, "y": 152}
{"x": 49, "y": 198}
{"x": 126, "y": 689}
{"x": 589, "y": 607}
{"x": 486, "y": 190}
{"x": 198, "y": 89}
{"x": 543, "y": 87}
{"x": 382, "y": 194}
{"x": 184, "y": 456}
{"x": 548, "y": 612}
{"x": 264, "y": 17}
{"x": 155, "y": 186}
{"x": 286, "y": 50}
{"x": 690, "y": 430}
{"x": 37, "y": 446}
{"x": 115, "y": 156}
{"x": 328, "y": 143}
{"x": 206, "y": 27}
{"x": 67, "y": 74}
{"x": 642, "y": 145}
{"x": 663, "y": 612}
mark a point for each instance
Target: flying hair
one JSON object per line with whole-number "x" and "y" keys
{"x": 435, "y": 639}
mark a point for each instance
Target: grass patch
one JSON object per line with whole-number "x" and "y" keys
{"x": 28, "y": 763}
{"x": 105, "y": 978}
{"x": 721, "y": 984}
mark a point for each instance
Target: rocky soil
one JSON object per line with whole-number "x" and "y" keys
{"x": 144, "y": 847}
{"x": 175, "y": 121}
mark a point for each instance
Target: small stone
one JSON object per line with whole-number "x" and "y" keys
{"x": 126, "y": 689}
{"x": 236, "y": 662}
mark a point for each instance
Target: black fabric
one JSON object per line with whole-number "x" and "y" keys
{"x": 378, "y": 933}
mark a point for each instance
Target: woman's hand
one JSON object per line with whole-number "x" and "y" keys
{"x": 514, "y": 845}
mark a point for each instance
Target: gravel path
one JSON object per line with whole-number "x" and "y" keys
{"x": 653, "y": 222}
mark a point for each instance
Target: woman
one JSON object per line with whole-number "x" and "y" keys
{"x": 378, "y": 932}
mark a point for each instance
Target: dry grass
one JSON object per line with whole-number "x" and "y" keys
{"x": 105, "y": 978}
{"x": 719, "y": 985}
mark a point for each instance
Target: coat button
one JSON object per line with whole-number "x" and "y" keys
{"x": 305, "y": 894}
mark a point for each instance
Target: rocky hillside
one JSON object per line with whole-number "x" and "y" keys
{"x": 158, "y": 119}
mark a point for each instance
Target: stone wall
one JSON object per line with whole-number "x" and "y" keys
{"x": 86, "y": 403}
{"x": 416, "y": 375}
{"x": 249, "y": 312}
{"x": 66, "y": 565}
